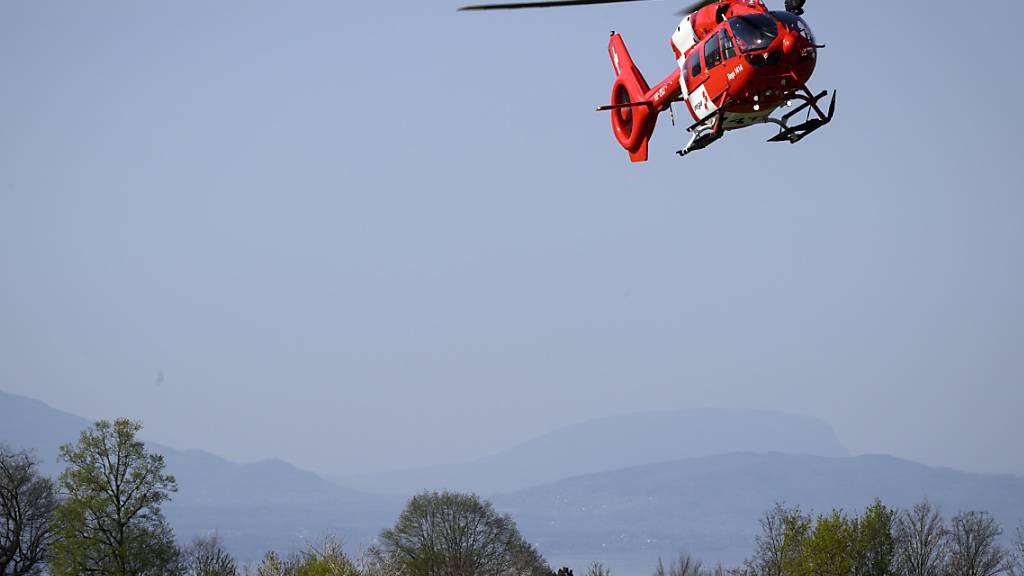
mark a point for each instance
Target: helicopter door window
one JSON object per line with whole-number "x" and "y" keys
{"x": 712, "y": 52}
{"x": 693, "y": 64}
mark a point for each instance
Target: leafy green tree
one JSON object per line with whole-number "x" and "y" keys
{"x": 451, "y": 534}
{"x": 829, "y": 550}
{"x": 110, "y": 522}
{"x": 875, "y": 546}
{"x": 779, "y": 547}
{"x": 27, "y": 500}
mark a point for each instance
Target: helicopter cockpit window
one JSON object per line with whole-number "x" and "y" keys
{"x": 712, "y": 52}
{"x": 753, "y": 32}
{"x": 795, "y": 23}
{"x": 693, "y": 64}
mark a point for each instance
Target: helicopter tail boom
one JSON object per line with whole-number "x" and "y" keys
{"x": 633, "y": 113}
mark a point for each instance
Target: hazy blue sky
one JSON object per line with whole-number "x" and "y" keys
{"x": 361, "y": 235}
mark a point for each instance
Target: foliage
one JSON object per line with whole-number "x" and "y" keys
{"x": 110, "y": 522}
{"x": 272, "y": 565}
{"x": 451, "y": 534}
{"x": 27, "y": 500}
{"x": 207, "y": 557}
{"x": 875, "y": 548}
{"x": 779, "y": 548}
{"x": 791, "y": 543}
{"x": 375, "y": 562}
{"x": 324, "y": 558}
{"x": 829, "y": 550}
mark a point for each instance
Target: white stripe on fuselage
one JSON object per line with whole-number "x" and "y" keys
{"x": 683, "y": 39}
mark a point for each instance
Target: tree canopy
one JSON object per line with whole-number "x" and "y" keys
{"x": 451, "y": 534}
{"x": 26, "y": 502}
{"x": 110, "y": 522}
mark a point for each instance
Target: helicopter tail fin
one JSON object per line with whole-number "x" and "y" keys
{"x": 633, "y": 114}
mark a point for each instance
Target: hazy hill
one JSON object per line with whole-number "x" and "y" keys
{"x": 710, "y": 506}
{"x": 617, "y": 442}
{"x": 255, "y": 507}
{"x": 29, "y": 424}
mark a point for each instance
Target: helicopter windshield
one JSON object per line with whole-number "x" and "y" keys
{"x": 753, "y": 31}
{"x": 796, "y": 24}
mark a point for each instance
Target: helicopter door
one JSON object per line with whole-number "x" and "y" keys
{"x": 700, "y": 103}
{"x": 712, "y": 81}
{"x": 715, "y": 81}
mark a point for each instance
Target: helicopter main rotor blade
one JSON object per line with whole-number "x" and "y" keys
{"x": 560, "y": 3}
{"x": 695, "y": 6}
{"x": 543, "y": 4}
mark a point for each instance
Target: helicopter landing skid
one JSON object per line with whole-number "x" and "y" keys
{"x": 794, "y": 134}
{"x": 704, "y": 134}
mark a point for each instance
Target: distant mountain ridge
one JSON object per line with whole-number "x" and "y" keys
{"x": 255, "y": 507}
{"x": 616, "y": 442}
{"x": 710, "y": 506}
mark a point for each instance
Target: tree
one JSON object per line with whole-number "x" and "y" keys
{"x": 326, "y": 558}
{"x": 973, "y": 545}
{"x": 27, "y": 500}
{"x": 1017, "y": 553}
{"x": 598, "y": 569}
{"x": 686, "y": 565}
{"x": 779, "y": 547}
{"x": 875, "y": 547}
{"x": 829, "y": 550}
{"x": 110, "y": 522}
{"x": 920, "y": 540}
{"x": 272, "y": 565}
{"x": 451, "y": 534}
{"x": 207, "y": 557}
{"x": 375, "y": 562}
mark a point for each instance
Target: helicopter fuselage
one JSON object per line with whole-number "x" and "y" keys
{"x": 742, "y": 55}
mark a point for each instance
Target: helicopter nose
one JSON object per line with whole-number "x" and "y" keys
{"x": 791, "y": 43}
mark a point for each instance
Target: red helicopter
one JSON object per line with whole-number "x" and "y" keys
{"x": 739, "y": 62}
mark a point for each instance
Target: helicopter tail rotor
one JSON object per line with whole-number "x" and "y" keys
{"x": 633, "y": 114}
